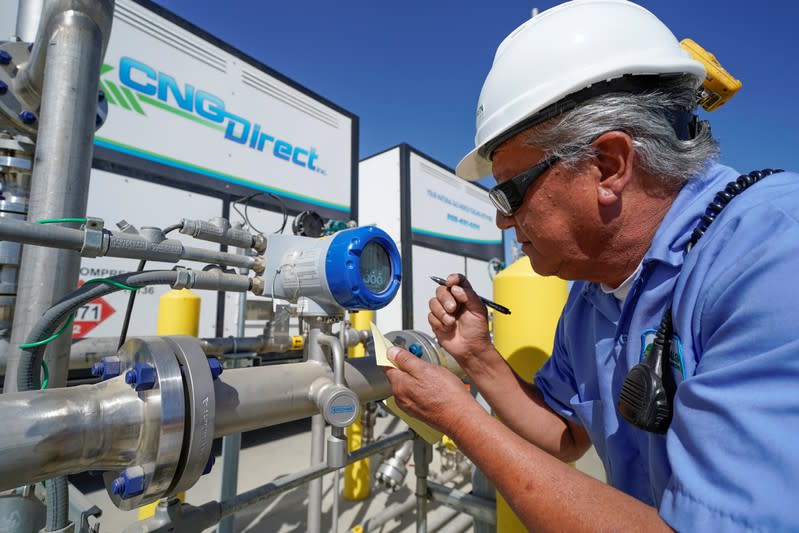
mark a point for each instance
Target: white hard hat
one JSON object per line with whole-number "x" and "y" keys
{"x": 581, "y": 45}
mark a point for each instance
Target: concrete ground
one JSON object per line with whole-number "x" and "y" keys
{"x": 273, "y": 452}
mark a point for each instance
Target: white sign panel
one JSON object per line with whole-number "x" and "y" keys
{"x": 178, "y": 100}
{"x": 445, "y": 206}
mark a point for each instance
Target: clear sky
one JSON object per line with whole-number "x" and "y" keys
{"x": 412, "y": 70}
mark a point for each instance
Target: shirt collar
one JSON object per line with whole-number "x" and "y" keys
{"x": 668, "y": 245}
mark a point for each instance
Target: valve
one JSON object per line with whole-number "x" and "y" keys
{"x": 391, "y": 472}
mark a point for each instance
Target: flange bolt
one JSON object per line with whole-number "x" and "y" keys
{"x": 129, "y": 483}
{"x": 216, "y": 367}
{"x": 141, "y": 377}
{"x": 106, "y": 368}
{"x": 27, "y": 117}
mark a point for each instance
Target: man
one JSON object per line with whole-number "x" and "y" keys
{"x": 586, "y": 121}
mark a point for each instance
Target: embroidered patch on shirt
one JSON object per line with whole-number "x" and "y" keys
{"x": 675, "y": 357}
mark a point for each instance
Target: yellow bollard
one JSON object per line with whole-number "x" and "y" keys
{"x": 178, "y": 314}
{"x": 525, "y": 337}
{"x": 356, "y": 475}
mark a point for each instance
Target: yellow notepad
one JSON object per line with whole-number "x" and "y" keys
{"x": 382, "y": 344}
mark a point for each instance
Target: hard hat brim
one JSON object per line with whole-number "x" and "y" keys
{"x": 473, "y": 166}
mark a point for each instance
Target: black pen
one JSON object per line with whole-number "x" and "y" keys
{"x": 493, "y": 305}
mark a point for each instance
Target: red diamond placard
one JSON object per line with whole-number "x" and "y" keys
{"x": 90, "y": 316}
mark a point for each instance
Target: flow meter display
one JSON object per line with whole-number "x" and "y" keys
{"x": 357, "y": 268}
{"x": 375, "y": 267}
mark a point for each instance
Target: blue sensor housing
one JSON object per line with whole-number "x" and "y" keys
{"x": 359, "y": 280}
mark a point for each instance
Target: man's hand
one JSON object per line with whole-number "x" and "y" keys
{"x": 428, "y": 392}
{"x": 459, "y": 320}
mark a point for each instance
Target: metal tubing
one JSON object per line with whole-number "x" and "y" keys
{"x": 118, "y": 244}
{"x": 28, "y": 15}
{"x": 421, "y": 454}
{"x": 252, "y": 398}
{"x": 259, "y": 344}
{"x": 297, "y": 479}
{"x": 41, "y": 234}
{"x": 56, "y": 22}
{"x": 480, "y": 508}
{"x": 338, "y": 356}
{"x": 215, "y": 257}
{"x": 395, "y": 510}
{"x": 315, "y": 353}
{"x": 231, "y": 444}
{"x": 68, "y": 430}
{"x": 89, "y": 350}
{"x": 74, "y": 35}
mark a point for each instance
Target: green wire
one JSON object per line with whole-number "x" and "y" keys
{"x": 46, "y": 375}
{"x": 58, "y": 333}
{"x": 57, "y": 220}
{"x": 72, "y": 316}
{"x": 51, "y": 337}
{"x": 116, "y": 284}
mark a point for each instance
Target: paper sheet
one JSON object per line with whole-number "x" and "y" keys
{"x": 429, "y": 434}
{"x": 382, "y": 344}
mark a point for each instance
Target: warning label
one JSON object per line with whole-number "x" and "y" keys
{"x": 90, "y": 316}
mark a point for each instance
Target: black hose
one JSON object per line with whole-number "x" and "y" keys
{"x": 30, "y": 359}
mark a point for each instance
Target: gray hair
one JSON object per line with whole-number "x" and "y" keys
{"x": 658, "y": 151}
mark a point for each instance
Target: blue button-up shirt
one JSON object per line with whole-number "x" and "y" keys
{"x": 730, "y": 459}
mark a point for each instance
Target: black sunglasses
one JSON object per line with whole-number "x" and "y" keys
{"x": 507, "y": 197}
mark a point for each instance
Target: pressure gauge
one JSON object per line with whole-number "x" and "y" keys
{"x": 357, "y": 268}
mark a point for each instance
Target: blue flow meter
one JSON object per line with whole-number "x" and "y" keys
{"x": 357, "y": 268}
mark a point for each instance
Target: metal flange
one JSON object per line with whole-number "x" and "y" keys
{"x": 201, "y": 410}
{"x": 158, "y": 454}
{"x": 425, "y": 347}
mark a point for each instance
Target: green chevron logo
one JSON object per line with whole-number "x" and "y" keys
{"x": 116, "y": 95}
{"x": 122, "y": 96}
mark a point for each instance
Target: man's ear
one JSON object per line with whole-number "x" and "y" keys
{"x": 614, "y": 160}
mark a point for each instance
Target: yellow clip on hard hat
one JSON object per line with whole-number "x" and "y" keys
{"x": 564, "y": 50}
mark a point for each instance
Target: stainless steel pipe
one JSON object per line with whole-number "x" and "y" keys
{"x": 28, "y": 15}
{"x": 55, "y": 22}
{"x": 67, "y": 430}
{"x": 252, "y": 398}
{"x": 66, "y": 64}
{"x": 70, "y": 430}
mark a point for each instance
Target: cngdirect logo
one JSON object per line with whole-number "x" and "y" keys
{"x": 158, "y": 88}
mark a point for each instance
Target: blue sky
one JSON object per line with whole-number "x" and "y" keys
{"x": 412, "y": 70}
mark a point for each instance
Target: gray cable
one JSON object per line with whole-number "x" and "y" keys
{"x": 31, "y": 358}
{"x": 57, "y": 503}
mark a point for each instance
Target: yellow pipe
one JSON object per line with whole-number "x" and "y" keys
{"x": 178, "y": 314}
{"x": 525, "y": 337}
{"x": 357, "y": 475}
